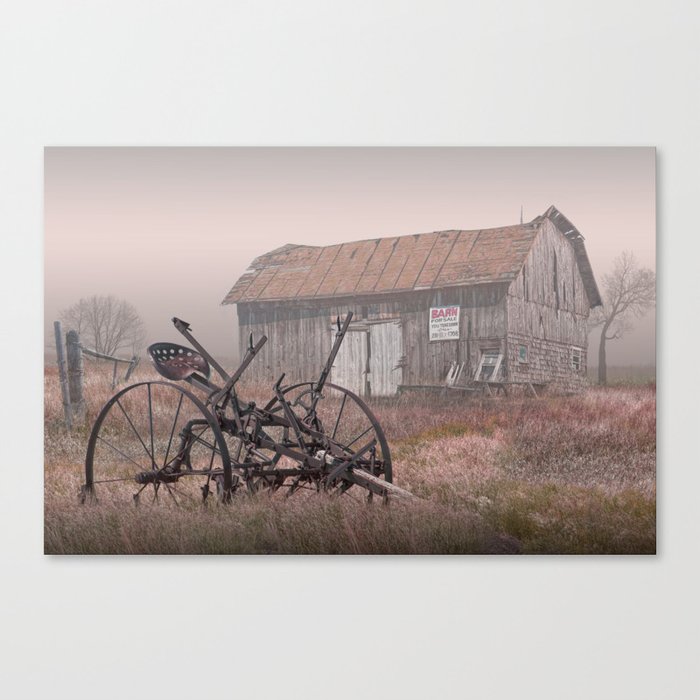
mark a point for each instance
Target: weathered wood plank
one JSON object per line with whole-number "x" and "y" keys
{"x": 392, "y": 490}
{"x": 544, "y": 308}
{"x": 62, "y": 373}
{"x": 547, "y": 312}
{"x": 76, "y": 376}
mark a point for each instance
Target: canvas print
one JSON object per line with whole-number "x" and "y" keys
{"x": 350, "y": 351}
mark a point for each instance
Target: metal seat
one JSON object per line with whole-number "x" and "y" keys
{"x": 177, "y": 362}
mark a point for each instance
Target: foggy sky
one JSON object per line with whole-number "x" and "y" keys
{"x": 171, "y": 229}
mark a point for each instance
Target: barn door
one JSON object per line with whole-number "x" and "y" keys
{"x": 385, "y": 353}
{"x": 350, "y": 366}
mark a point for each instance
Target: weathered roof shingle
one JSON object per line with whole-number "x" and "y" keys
{"x": 385, "y": 265}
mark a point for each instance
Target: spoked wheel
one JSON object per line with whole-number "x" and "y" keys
{"x": 347, "y": 423}
{"x": 156, "y": 443}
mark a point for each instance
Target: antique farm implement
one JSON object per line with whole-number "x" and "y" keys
{"x": 159, "y": 440}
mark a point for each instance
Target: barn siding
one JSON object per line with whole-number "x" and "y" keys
{"x": 299, "y": 337}
{"x": 545, "y": 307}
{"x": 548, "y": 362}
{"x": 548, "y": 319}
{"x": 351, "y": 363}
{"x": 482, "y": 322}
{"x": 385, "y": 361}
{"x": 298, "y": 340}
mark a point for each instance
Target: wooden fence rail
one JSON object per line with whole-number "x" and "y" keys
{"x": 101, "y": 356}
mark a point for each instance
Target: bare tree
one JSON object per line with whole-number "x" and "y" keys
{"x": 628, "y": 292}
{"x": 106, "y": 324}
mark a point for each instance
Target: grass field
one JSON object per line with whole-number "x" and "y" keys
{"x": 572, "y": 475}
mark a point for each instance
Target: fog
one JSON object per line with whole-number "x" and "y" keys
{"x": 171, "y": 229}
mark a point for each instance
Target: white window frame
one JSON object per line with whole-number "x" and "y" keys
{"x": 527, "y": 354}
{"x": 489, "y": 352}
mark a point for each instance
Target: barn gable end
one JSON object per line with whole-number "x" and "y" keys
{"x": 547, "y": 312}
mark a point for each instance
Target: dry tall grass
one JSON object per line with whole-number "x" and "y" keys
{"x": 553, "y": 475}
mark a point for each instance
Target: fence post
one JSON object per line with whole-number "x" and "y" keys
{"x": 131, "y": 368}
{"x": 76, "y": 374}
{"x": 62, "y": 374}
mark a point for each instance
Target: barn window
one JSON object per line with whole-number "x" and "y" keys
{"x": 522, "y": 354}
{"x": 576, "y": 359}
{"x": 489, "y": 365}
{"x": 556, "y": 283}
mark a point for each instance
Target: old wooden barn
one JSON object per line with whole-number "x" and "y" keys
{"x": 505, "y": 305}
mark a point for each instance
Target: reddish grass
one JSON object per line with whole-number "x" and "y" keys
{"x": 558, "y": 474}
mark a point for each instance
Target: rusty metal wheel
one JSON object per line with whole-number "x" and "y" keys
{"x": 156, "y": 443}
{"x": 346, "y": 421}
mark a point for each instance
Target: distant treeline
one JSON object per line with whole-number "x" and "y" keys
{"x": 630, "y": 374}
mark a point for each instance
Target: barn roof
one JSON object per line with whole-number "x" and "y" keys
{"x": 402, "y": 263}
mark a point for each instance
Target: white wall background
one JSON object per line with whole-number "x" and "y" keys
{"x": 391, "y": 73}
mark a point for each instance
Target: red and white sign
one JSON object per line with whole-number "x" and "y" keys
{"x": 444, "y": 323}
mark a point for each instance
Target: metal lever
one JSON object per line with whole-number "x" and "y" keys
{"x": 181, "y": 325}
{"x": 342, "y": 330}
{"x": 252, "y": 352}
{"x": 184, "y": 328}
